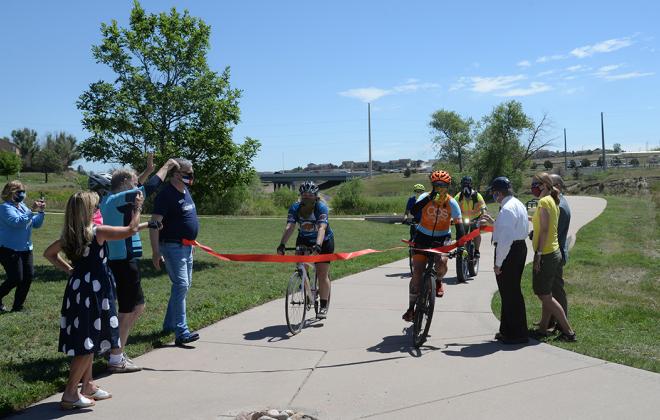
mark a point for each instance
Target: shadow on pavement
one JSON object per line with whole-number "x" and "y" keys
{"x": 48, "y": 410}
{"x": 400, "y": 275}
{"x": 401, "y": 344}
{"x": 271, "y": 334}
{"x": 484, "y": 349}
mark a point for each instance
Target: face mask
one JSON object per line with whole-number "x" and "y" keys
{"x": 188, "y": 180}
{"x": 467, "y": 192}
{"x": 19, "y": 197}
{"x": 536, "y": 191}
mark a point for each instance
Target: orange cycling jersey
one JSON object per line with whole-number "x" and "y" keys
{"x": 436, "y": 216}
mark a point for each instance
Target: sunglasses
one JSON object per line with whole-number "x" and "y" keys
{"x": 535, "y": 184}
{"x": 440, "y": 184}
{"x": 20, "y": 192}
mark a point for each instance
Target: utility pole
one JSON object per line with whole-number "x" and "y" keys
{"x": 565, "y": 158}
{"x": 369, "y": 122}
{"x": 602, "y": 136}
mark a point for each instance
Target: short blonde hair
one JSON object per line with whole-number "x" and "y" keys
{"x": 10, "y": 189}
{"x": 77, "y": 232}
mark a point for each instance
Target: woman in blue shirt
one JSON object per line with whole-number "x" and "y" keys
{"x": 16, "y": 223}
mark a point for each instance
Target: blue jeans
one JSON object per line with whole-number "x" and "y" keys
{"x": 179, "y": 263}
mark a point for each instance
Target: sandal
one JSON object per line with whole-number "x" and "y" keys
{"x": 83, "y": 402}
{"x": 538, "y": 334}
{"x": 99, "y": 395}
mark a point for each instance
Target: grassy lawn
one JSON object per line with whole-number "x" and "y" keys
{"x": 613, "y": 285}
{"x": 30, "y": 366}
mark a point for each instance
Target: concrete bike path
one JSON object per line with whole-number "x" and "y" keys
{"x": 359, "y": 363}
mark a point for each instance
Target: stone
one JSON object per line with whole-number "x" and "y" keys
{"x": 273, "y": 413}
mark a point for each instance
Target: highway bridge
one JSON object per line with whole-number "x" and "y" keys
{"x": 325, "y": 179}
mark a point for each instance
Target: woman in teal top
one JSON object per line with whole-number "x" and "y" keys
{"x": 16, "y": 223}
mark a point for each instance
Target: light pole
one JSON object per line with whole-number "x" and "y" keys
{"x": 369, "y": 122}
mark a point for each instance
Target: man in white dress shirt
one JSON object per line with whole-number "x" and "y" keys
{"x": 511, "y": 230}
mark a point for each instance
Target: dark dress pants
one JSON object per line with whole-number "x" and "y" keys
{"x": 19, "y": 268}
{"x": 513, "y": 318}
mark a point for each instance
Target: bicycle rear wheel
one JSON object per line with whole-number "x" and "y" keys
{"x": 295, "y": 308}
{"x": 424, "y": 310}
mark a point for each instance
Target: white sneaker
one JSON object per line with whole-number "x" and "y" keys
{"x": 125, "y": 366}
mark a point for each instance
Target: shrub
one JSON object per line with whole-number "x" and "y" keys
{"x": 284, "y": 197}
{"x": 547, "y": 164}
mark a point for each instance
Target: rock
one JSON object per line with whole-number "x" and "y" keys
{"x": 273, "y": 413}
{"x": 289, "y": 412}
{"x": 266, "y": 418}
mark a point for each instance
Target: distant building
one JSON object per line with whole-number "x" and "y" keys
{"x": 8, "y": 146}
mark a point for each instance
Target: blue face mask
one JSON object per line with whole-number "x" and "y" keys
{"x": 19, "y": 197}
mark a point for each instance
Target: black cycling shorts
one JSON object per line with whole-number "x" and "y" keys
{"x": 424, "y": 241}
{"x": 129, "y": 285}
{"x": 328, "y": 246}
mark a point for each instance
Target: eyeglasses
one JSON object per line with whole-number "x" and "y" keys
{"x": 20, "y": 191}
{"x": 187, "y": 173}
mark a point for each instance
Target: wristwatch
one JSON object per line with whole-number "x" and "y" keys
{"x": 539, "y": 253}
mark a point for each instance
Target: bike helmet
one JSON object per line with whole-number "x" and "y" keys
{"x": 501, "y": 183}
{"x": 418, "y": 187}
{"x": 441, "y": 176}
{"x": 99, "y": 183}
{"x": 308, "y": 187}
{"x": 466, "y": 181}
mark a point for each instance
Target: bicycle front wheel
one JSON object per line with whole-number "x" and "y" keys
{"x": 473, "y": 263}
{"x": 295, "y": 308}
{"x": 462, "y": 270}
{"x": 424, "y": 310}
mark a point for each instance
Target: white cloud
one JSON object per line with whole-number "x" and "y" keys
{"x": 609, "y": 68}
{"x": 624, "y": 76}
{"x": 370, "y": 94}
{"x": 366, "y": 94}
{"x": 578, "y": 67}
{"x": 602, "y": 47}
{"x": 546, "y": 58}
{"x": 523, "y": 63}
{"x": 460, "y": 84}
{"x": 490, "y": 84}
{"x": 572, "y": 91}
{"x": 546, "y": 73}
{"x": 533, "y": 89}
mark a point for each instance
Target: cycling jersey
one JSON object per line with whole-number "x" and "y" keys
{"x": 471, "y": 206}
{"x": 436, "y": 216}
{"x": 308, "y": 227}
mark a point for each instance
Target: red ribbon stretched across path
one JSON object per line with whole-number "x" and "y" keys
{"x": 323, "y": 257}
{"x": 465, "y": 238}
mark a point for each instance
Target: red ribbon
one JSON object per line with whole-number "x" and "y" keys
{"x": 465, "y": 238}
{"x": 281, "y": 258}
{"x": 323, "y": 257}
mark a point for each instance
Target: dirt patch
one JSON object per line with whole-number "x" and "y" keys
{"x": 632, "y": 186}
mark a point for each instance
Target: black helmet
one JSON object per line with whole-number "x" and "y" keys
{"x": 308, "y": 187}
{"x": 501, "y": 183}
{"x": 99, "y": 183}
{"x": 466, "y": 181}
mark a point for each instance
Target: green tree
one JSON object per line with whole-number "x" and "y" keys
{"x": 453, "y": 136}
{"x": 506, "y": 143}
{"x": 64, "y": 145}
{"x": 26, "y": 140}
{"x": 10, "y": 164}
{"x": 165, "y": 99}
{"x": 634, "y": 162}
{"x": 617, "y": 148}
{"x": 586, "y": 163}
{"x": 48, "y": 161}
{"x": 547, "y": 164}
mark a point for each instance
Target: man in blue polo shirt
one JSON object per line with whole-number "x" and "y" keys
{"x": 117, "y": 210}
{"x": 175, "y": 208}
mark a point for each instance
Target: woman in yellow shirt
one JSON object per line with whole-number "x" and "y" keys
{"x": 547, "y": 256}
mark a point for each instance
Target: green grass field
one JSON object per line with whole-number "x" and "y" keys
{"x": 32, "y": 369}
{"x": 613, "y": 285}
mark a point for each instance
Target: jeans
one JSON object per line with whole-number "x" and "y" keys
{"x": 179, "y": 263}
{"x": 20, "y": 270}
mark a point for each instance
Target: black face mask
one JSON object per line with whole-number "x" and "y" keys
{"x": 467, "y": 192}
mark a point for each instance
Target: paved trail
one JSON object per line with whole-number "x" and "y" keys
{"x": 359, "y": 364}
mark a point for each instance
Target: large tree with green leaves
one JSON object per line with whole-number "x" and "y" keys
{"x": 452, "y": 136}
{"x": 10, "y": 163}
{"x": 165, "y": 99}
{"x": 26, "y": 140}
{"x": 508, "y": 140}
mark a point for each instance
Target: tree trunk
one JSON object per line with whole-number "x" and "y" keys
{"x": 46, "y": 174}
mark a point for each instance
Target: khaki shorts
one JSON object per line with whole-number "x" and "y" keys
{"x": 551, "y": 272}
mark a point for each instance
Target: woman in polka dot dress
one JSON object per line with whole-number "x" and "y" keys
{"x": 88, "y": 321}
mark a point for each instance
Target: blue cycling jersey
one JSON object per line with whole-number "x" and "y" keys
{"x": 309, "y": 225}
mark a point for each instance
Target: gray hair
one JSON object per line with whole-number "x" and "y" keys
{"x": 557, "y": 181}
{"x": 119, "y": 178}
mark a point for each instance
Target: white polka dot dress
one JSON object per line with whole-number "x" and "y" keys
{"x": 88, "y": 322}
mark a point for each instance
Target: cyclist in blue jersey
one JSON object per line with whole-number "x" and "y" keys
{"x": 123, "y": 255}
{"x": 418, "y": 189}
{"x": 311, "y": 214}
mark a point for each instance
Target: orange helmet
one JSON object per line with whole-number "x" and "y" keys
{"x": 441, "y": 176}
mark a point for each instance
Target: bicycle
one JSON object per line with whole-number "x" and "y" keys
{"x": 301, "y": 293}
{"x": 467, "y": 263}
{"x": 413, "y": 228}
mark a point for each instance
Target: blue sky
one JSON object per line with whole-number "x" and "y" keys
{"x": 308, "y": 68}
